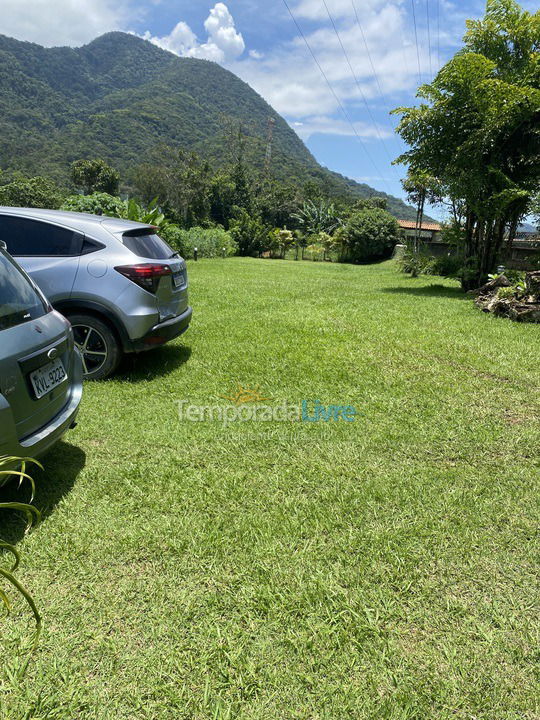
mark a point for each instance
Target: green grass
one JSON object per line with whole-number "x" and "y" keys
{"x": 381, "y": 569}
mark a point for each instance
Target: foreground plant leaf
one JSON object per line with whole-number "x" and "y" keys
{"x": 32, "y": 515}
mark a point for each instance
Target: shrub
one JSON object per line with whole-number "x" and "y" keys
{"x": 414, "y": 263}
{"x": 516, "y": 277}
{"x": 316, "y": 250}
{"x": 369, "y": 234}
{"x": 249, "y": 233}
{"x": 34, "y": 192}
{"x": 98, "y": 203}
{"x": 447, "y": 266}
{"x": 421, "y": 263}
{"x": 208, "y": 241}
{"x": 506, "y": 293}
{"x": 280, "y": 241}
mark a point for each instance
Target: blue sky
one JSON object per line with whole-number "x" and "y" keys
{"x": 368, "y": 50}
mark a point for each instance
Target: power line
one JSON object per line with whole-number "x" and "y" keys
{"x": 429, "y": 38}
{"x": 340, "y": 104}
{"x": 381, "y": 139}
{"x": 405, "y": 58}
{"x": 381, "y": 95}
{"x": 416, "y": 40}
{"x": 438, "y": 35}
{"x": 367, "y": 49}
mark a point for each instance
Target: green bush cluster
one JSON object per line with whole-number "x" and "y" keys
{"x": 422, "y": 263}
{"x": 370, "y": 233}
{"x": 34, "y": 192}
{"x": 506, "y": 293}
{"x": 98, "y": 203}
{"x": 210, "y": 242}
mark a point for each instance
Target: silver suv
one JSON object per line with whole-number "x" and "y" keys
{"x": 120, "y": 285}
{"x": 40, "y": 369}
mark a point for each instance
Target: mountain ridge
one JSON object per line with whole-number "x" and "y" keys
{"x": 120, "y": 96}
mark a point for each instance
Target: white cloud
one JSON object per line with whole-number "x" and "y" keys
{"x": 180, "y": 41}
{"x": 292, "y": 83}
{"x": 339, "y": 9}
{"x": 330, "y": 126}
{"x": 224, "y": 43}
{"x": 63, "y": 22}
{"x": 256, "y": 55}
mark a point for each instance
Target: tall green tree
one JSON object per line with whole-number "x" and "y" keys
{"x": 95, "y": 176}
{"x": 249, "y": 232}
{"x": 181, "y": 182}
{"x": 477, "y": 131}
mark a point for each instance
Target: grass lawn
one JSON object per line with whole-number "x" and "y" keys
{"x": 384, "y": 568}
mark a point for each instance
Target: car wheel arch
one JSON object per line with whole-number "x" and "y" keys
{"x": 72, "y": 307}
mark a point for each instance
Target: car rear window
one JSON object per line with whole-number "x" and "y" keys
{"x": 146, "y": 244}
{"x": 19, "y": 301}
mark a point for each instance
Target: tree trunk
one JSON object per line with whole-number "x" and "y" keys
{"x": 512, "y": 230}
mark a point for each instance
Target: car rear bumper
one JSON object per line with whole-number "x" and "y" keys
{"x": 38, "y": 443}
{"x": 162, "y": 332}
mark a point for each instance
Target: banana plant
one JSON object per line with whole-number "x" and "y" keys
{"x": 151, "y": 215}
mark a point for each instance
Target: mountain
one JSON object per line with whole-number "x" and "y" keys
{"x": 120, "y": 96}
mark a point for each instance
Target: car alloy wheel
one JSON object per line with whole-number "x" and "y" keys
{"x": 93, "y": 348}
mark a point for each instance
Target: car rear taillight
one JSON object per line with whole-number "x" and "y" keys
{"x": 145, "y": 275}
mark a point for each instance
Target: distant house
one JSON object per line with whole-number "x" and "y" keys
{"x": 429, "y": 231}
{"x": 523, "y": 253}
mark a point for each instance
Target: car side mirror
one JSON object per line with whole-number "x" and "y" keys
{"x": 3, "y": 245}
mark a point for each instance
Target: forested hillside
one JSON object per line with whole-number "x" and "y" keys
{"x": 120, "y": 96}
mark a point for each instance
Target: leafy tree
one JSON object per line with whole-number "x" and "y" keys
{"x": 222, "y": 195}
{"x": 316, "y": 251}
{"x": 277, "y": 203}
{"x": 95, "y": 204}
{"x": 420, "y": 187}
{"x": 181, "y": 182}
{"x": 477, "y": 131}
{"x": 369, "y": 234}
{"x": 35, "y": 192}
{"x": 281, "y": 241}
{"x": 242, "y": 194}
{"x": 249, "y": 232}
{"x": 95, "y": 176}
{"x": 372, "y": 202}
{"x": 329, "y": 243}
{"x": 535, "y": 210}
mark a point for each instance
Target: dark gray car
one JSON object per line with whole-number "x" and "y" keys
{"x": 121, "y": 286}
{"x": 40, "y": 368}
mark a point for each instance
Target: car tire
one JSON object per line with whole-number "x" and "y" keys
{"x": 98, "y": 344}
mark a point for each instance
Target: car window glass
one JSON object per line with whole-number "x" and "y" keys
{"x": 19, "y": 301}
{"x": 32, "y": 238}
{"x": 147, "y": 245}
{"x": 90, "y": 246}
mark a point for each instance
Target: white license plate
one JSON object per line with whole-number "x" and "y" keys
{"x": 48, "y": 377}
{"x": 178, "y": 280}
